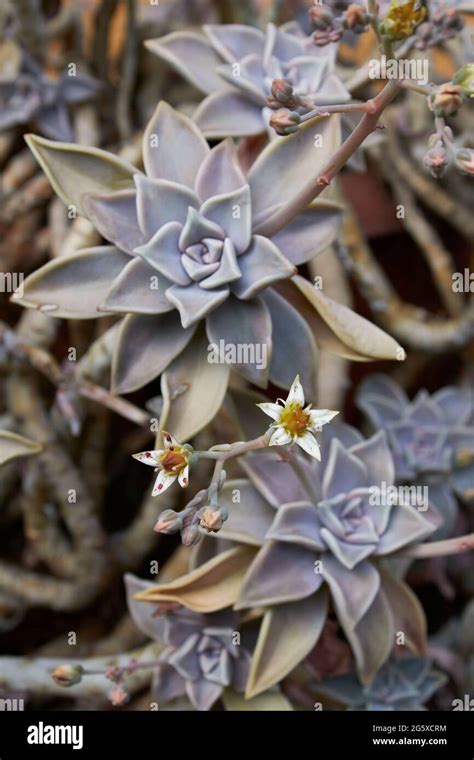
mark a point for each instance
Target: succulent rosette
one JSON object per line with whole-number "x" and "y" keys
{"x": 431, "y": 438}
{"x": 308, "y": 539}
{"x": 403, "y": 684}
{"x": 27, "y": 95}
{"x": 234, "y": 65}
{"x": 189, "y": 250}
{"x": 202, "y": 654}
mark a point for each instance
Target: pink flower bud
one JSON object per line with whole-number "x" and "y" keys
{"x": 285, "y": 122}
{"x": 67, "y": 675}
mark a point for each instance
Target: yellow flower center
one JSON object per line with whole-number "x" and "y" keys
{"x": 402, "y": 18}
{"x": 294, "y": 419}
{"x": 173, "y": 461}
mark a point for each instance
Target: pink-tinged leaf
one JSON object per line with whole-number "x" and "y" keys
{"x": 191, "y": 55}
{"x": 228, "y": 113}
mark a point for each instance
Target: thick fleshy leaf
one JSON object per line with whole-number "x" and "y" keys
{"x": 282, "y": 45}
{"x": 281, "y": 572}
{"x": 166, "y": 684}
{"x": 191, "y": 55}
{"x": 72, "y": 287}
{"x": 213, "y": 586}
{"x": 160, "y": 201}
{"x": 310, "y": 233}
{"x": 145, "y": 347}
{"x": 294, "y": 348}
{"x": 143, "y": 615}
{"x": 203, "y": 693}
{"x": 406, "y": 526}
{"x": 228, "y": 113}
{"x": 356, "y": 333}
{"x": 455, "y": 403}
{"x": 242, "y": 332}
{"x": 220, "y": 173}
{"x": 276, "y": 480}
{"x": 353, "y": 591}
{"x": 377, "y": 459}
{"x": 167, "y": 129}
{"x": 372, "y": 639}
{"x": 287, "y": 635}
{"x": 298, "y": 524}
{"x": 193, "y": 390}
{"x": 138, "y": 290}
{"x": 162, "y": 252}
{"x": 13, "y": 446}
{"x": 115, "y": 216}
{"x": 407, "y": 613}
{"x": 250, "y": 78}
{"x": 291, "y": 162}
{"x": 269, "y": 701}
{"x": 194, "y": 302}
{"x": 232, "y": 212}
{"x": 235, "y": 41}
{"x": 76, "y": 169}
{"x": 261, "y": 265}
{"x": 249, "y": 517}
{"x": 343, "y": 473}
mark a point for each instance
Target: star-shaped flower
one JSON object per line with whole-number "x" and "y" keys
{"x": 172, "y": 463}
{"x": 295, "y": 423}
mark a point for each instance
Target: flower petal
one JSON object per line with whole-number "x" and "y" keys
{"x": 72, "y": 287}
{"x": 167, "y": 128}
{"x": 287, "y": 635}
{"x": 280, "y": 437}
{"x": 310, "y": 233}
{"x": 138, "y": 290}
{"x": 220, "y": 173}
{"x": 115, "y": 216}
{"x": 162, "y": 252}
{"x": 308, "y": 443}
{"x": 273, "y": 410}
{"x": 235, "y": 41}
{"x": 163, "y": 482}
{"x": 281, "y": 572}
{"x": 145, "y": 347}
{"x": 320, "y": 417}
{"x": 296, "y": 393}
{"x": 261, "y": 265}
{"x": 232, "y": 212}
{"x": 194, "y": 303}
{"x": 150, "y": 458}
{"x": 245, "y": 330}
{"x": 228, "y": 113}
{"x": 191, "y": 55}
{"x": 160, "y": 201}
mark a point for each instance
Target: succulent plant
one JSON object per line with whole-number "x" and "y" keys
{"x": 234, "y": 65}
{"x": 187, "y": 248}
{"x": 203, "y": 654}
{"x": 308, "y": 534}
{"x": 402, "y": 684}
{"x": 28, "y": 96}
{"x": 431, "y": 438}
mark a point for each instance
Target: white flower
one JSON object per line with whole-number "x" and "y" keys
{"x": 295, "y": 423}
{"x": 172, "y": 463}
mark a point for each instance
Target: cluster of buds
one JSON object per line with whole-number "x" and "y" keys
{"x": 285, "y": 122}
{"x": 356, "y": 19}
{"x": 437, "y": 158}
{"x": 402, "y": 19}
{"x": 327, "y": 27}
{"x": 446, "y": 100}
{"x": 288, "y": 106}
{"x": 445, "y": 22}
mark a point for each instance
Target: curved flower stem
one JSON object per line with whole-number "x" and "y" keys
{"x": 316, "y": 185}
{"x": 235, "y": 449}
{"x": 440, "y": 548}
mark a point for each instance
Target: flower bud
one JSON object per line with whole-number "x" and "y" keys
{"x": 464, "y": 77}
{"x": 118, "y": 696}
{"x": 67, "y": 675}
{"x": 285, "y": 122}
{"x": 322, "y": 38}
{"x": 446, "y": 100}
{"x": 282, "y": 90}
{"x": 437, "y": 160}
{"x": 190, "y": 535}
{"x": 464, "y": 160}
{"x": 321, "y": 17}
{"x": 211, "y": 519}
{"x": 355, "y": 18}
{"x": 168, "y": 522}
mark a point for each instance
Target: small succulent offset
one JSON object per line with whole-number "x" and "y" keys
{"x": 307, "y": 530}
{"x": 431, "y": 438}
{"x": 203, "y": 654}
{"x": 28, "y": 96}
{"x": 234, "y": 65}
{"x": 406, "y": 683}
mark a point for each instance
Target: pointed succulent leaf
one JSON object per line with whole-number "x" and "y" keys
{"x": 138, "y": 290}
{"x": 275, "y": 479}
{"x": 191, "y": 55}
{"x": 220, "y": 173}
{"x": 13, "y": 446}
{"x": 354, "y": 331}
{"x": 407, "y": 613}
{"x": 353, "y": 591}
{"x": 75, "y": 169}
{"x": 297, "y": 523}
{"x": 221, "y": 210}
{"x": 261, "y": 265}
{"x": 146, "y": 345}
{"x": 193, "y": 390}
{"x": 143, "y": 615}
{"x": 372, "y": 639}
{"x": 115, "y": 216}
{"x": 72, "y": 287}
{"x": 235, "y": 41}
{"x": 213, "y": 586}
{"x": 160, "y": 201}
{"x": 269, "y": 701}
{"x": 166, "y": 129}
{"x": 406, "y": 526}
{"x": 310, "y": 233}
{"x": 288, "y": 633}
{"x": 229, "y": 113}
{"x": 248, "y": 520}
